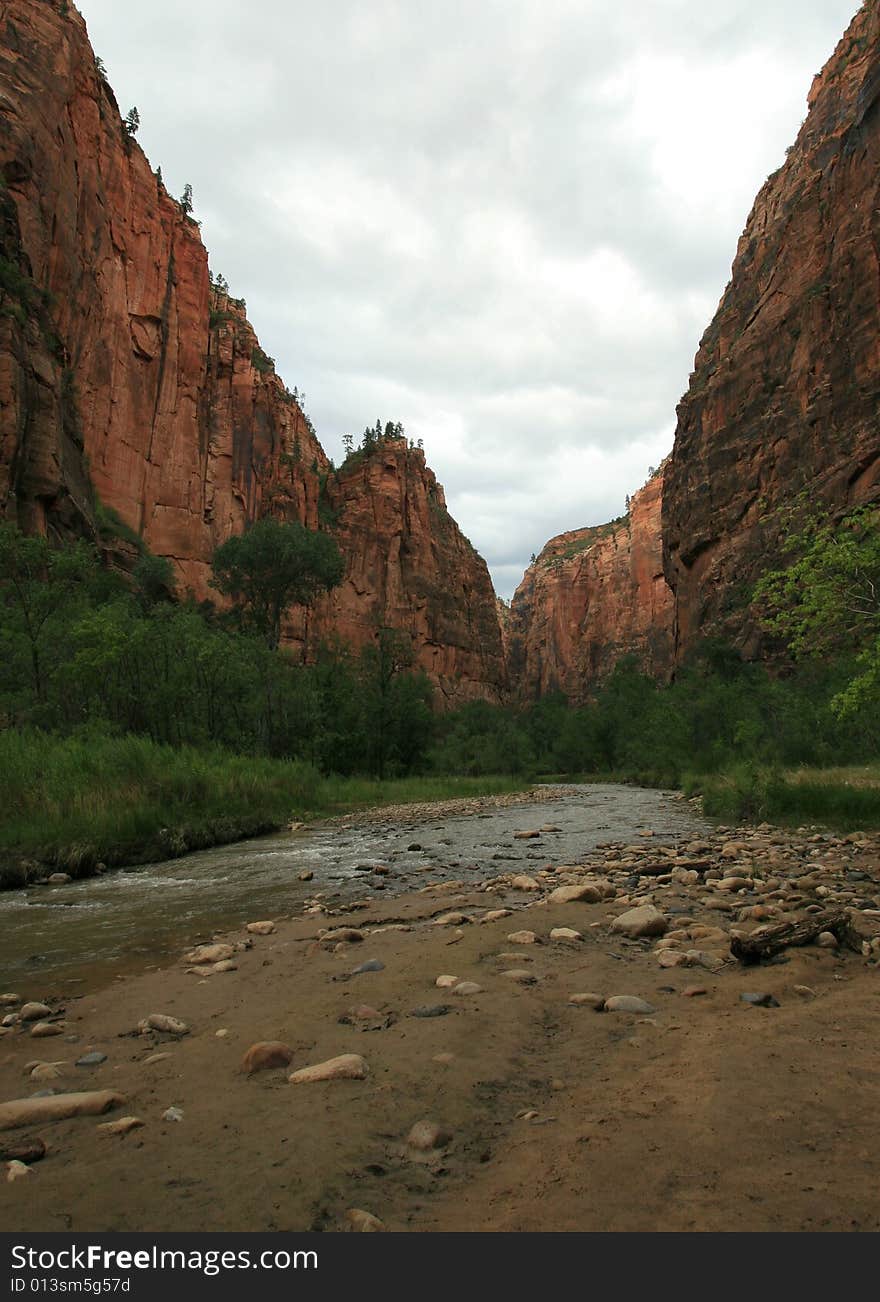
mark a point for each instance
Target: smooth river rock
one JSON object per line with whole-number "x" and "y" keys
{"x": 628, "y": 1004}
{"x": 266, "y": 1055}
{"x": 643, "y": 921}
{"x": 348, "y": 1066}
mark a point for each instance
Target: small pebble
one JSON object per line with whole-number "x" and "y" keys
{"x": 93, "y": 1059}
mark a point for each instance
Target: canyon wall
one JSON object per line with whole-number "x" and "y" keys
{"x": 592, "y": 596}
{"x": 133, "y": 391}
{"x": 783, "y": 408}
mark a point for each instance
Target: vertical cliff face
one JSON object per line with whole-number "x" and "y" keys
{"x": 182, "y": 424}
{"x": 592, "y": 596}
{"x": 125, "y": 373}
{"x": 784, "y": 399}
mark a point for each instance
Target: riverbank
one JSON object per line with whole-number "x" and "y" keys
{"x": 77, "y": 805}
{"x": 473, "y": 1005}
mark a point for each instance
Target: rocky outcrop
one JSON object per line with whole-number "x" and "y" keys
{"x": 135, "y": 397}
{"x": 409, "y": 567}
{"x": 782, "y": 409}
{"x": 591, "y": 597}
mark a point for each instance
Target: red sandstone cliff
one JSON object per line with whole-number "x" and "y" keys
{"x": 123, "y": 372}
{"x": 785, "y": 395}
{"x": 591, "y": 597}
{"x": 409, "y": 566}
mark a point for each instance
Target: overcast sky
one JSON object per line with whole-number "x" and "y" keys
{"x": 505, "y": 223}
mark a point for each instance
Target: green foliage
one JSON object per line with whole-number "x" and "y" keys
{"x": 93, "y": 796}
{"x": 272, "y": 567}
{"x": 261, "y": 361}
{"x": 111, "y": 525}
{"x": 719, "y": 713}
{"x": 755, "y": 794}
{"x": 827, "y": 601}
{"x": 371, "y": 441}
{"x": 132, "y": 123}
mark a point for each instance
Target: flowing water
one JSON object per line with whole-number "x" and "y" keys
{"x": 77, "y": 936}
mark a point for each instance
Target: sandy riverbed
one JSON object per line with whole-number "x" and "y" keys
{"x": 704, "y": 1114}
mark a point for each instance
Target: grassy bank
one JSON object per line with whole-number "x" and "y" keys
{"x": 845, "y": 799}
{"x": 70, "y": 803}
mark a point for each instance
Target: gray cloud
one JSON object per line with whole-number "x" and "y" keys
{"x": 504, "y": 222}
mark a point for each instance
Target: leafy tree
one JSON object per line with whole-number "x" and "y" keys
{"x": 153, "y": 580}
{"x": 827, "y": 602}
{"x": 272, "y": 567}
{"x": 40, "y": 589}
{"x": 132, "y": 122}
{"x": 396, "y": 704}
{"x": 186, "y": 202}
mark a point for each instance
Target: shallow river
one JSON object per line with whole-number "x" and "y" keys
{"x": 76, "y": 937}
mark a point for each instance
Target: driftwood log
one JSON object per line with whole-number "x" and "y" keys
{"x": 661, "y": 869}
{"x": 768, "y": 941}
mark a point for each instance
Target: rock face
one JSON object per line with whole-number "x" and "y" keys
{"x": 592, "y": 596}
{"x": 785, "y": 392}
{"x": 130, "y": 384}
{"x": 408, "y": 566}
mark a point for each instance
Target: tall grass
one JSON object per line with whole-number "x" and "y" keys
{"x": 837, "y": 798}
{"x": 74, "y": 802}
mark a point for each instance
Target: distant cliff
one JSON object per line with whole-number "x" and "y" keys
{"x": 592, "y": 596}
{"x": 128, "y": 379}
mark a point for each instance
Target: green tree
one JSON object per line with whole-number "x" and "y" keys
{"x": 272, "y": 567}
{"x": 41, "y": 588}
{"x": 132, "y": 122}
{"x": 827, "y": 602}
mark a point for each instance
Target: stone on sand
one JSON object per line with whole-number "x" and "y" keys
{"x": 587, "y": 1000}
{"x": 426, "y": 1136}
{"x": 41, "y": 1030}
{"x": 163, "y": 1022}
{"x": 522, "y": 938}
{"x": 628, "y": 1004}
{"x": 266, "y": 1055}
{"x": 120, "y": 1127}
{"x": 586, "y": 894}
{"x": 564, "y": 933}
{"x": 210, "y": 953}
{"x": 642, "y": 921}
{"x": 260, "y": 928}
{"x": 348, "y": 1066}
{"x": 57, "y": 1107}
{"x": 46, "y": 1071}
{"x": 33, "y": 1012}
{"x": 362, "y": 1222}
{"x": 351, "y": 936}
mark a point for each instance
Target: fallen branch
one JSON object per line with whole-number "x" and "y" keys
{"x": 767, "y": 941}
